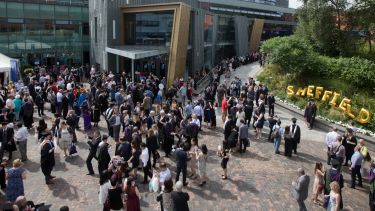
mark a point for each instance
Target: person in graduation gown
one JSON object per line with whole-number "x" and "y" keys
{"x": 47, "y": 158}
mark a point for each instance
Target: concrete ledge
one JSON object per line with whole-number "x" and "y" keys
{"x": 325, "y": 125}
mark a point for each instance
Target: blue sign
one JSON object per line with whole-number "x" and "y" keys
{"x": 13, "y": 70}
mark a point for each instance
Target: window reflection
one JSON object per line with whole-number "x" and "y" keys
{"x": 36, "y": 32}
{"x": 153, "y": 28}
{"x": 208, "y": 27}
{"x": 225, "y": 32}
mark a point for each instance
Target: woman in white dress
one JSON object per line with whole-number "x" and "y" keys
{"x": 202, "y": 156}
{"x": 64, "y": 138}
{"x": 334, "y": 197}
{"x": 240, "y": 115}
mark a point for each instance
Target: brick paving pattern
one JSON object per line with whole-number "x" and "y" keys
{"x": 257, "y": 180}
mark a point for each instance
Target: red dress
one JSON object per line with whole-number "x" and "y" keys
{"x": 132, "y": 200}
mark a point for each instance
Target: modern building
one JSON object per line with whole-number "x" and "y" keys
{"x": 46, "y": 32}
{"x": 175, "y": 39}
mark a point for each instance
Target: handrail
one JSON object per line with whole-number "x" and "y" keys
{"x": 209, "y": 74}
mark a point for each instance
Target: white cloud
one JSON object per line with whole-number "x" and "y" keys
{"x": 295, "y": 3}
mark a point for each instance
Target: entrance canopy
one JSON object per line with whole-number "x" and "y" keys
{"x": 137, "y": 51}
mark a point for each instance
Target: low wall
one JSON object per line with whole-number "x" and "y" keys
{"x": 326, "y": 126}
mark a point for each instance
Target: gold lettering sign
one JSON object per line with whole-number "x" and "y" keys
{"x": 332, "y": 98}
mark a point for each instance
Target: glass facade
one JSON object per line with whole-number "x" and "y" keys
{"x": 276, "y": 30}
{"x": 225, "y": 46}
{"x": 208, "y": 38}
{"x": 149, "y": 28}
{"x": 45, "y": 31}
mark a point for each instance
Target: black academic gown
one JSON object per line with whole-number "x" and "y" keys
{"x": 47, "y": 158}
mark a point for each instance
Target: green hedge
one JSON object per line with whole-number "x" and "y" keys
{"x": 277, "y": 81}
{"x": 295, "y": 56}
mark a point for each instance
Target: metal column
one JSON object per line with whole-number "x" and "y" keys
{"x": 117, "y": 64}
{"x": 133, "y": 70}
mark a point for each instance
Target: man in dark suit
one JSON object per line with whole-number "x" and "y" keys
{"x": 181, "y": 162}
{"x": 47, "y": 158}
{"x": 124, "y": 149}
{"x": 271, "y": 104}
{"x": 301, "y": 189}
{"x": 180, "y": 199}
{"x": 7, "y": 141}
{"x": 296, "y": 134}
{"x": 228, "y": 127}
{"x": 3, "y": 140}
{"x": 103, "y": 157}
{"x": 311, "y": 114}
{"x": 93, "y": 148}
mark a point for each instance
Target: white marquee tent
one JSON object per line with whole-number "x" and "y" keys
{"x": 4, "y": 63}
{"x": 10, "y": 67}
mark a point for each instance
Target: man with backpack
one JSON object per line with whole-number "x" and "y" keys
{"x": 333, "y": 174}
{"x": 337, "y": 151}
{"x": 271, "y": 122}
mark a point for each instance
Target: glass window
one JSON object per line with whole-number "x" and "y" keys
{"x": 31, "y": 10}
{"x": 68, "y": 33}
{"x": 16, "y": 36}
{"x": 208, "y": 26}
{"x": 85, "y": 13}
{"x": 15, "y": 10}
{"x": 75, "y": 13}
{"x": 3, "y": 9}
{"x": 152, "y": 28}
{"x": 225, "y": 32}
{"x": 208, "y": 57}
{"x": 3, "y": 36}
{"x": 47, "y": 11}
{"x": 85, "y": 28}
{"x": 61, "y": 12}
{"x": 47, "y": 34}
{"x": 33, "y": 35}
{"x": 96, "y": 30}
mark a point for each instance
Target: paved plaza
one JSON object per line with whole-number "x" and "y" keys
{"x": 257, "y": 180}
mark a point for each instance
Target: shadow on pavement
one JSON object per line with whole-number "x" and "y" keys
{"x": 244, "y": 186}
{"x": 32, "y": 166}
{"x": 198, "y": 192}
{"x": 82, "y": 145}
{"x": 76, "y": 160}
{"x": 252, "y": 155}
{"x": 306, "y": 158}
{"x": 59, "y": 166}
{"x": 62, "y": 189}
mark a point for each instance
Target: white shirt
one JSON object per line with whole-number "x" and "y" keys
{"x": 117, "y": 122}
{"x": 21, "y": 134}
{"x": 103, "y": 192}
{"x": 239, "y": 116}
{"x": 198, "y": 110}
{"x": 331, "y": 138}
{"x": 69, "y": 86}
{"x": 9, "y": 103}
{"x": 144, "y": 157}
{"x": 59, "y": 97}
{"x": 196, "y": 121}
{"x": 165, "y": 175}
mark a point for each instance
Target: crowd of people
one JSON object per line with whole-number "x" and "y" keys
{"x": 150, "y": 124}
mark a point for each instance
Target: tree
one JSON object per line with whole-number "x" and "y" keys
{"x": 361, "y": 17}
{"x": 320, "y": 22}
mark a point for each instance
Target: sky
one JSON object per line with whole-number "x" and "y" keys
{"x": 295, "y": 3}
